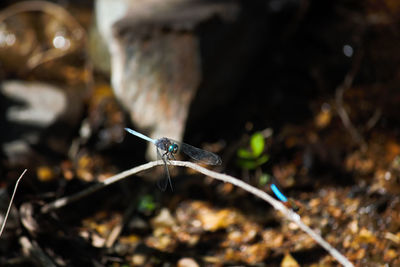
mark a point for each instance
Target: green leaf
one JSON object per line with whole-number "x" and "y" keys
{"x": 261, "y": 160}
{"x": 247, "y": 164}
{"x": 147, "y": 204}
{"x": 245, "y": 154}
{"x": 257, "y": 144}
{"x": 264, "y": 179}
{"x": 251, "y": 164}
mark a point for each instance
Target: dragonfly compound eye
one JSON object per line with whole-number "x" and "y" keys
{"x": 173, "y": 148}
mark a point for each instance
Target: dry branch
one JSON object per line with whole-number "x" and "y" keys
{"x": 289, "y": 214}
{"x": 3, "y": 225}
{"x": 340, "y": 90}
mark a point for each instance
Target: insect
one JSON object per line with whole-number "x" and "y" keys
{"x": 167, "y": 148}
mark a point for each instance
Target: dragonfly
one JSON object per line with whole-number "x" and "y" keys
{"x": 167, "y": 148}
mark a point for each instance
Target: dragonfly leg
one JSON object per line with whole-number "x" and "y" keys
{"x": 168, "y": 155}
{"x": 163, "y": 186}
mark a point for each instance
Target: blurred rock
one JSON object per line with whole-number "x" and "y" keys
{"x": 187, "y": 262}
{"x": 43, "y": 103}
{"x": 36, "y": 113}
{"x": 163, "y": 219}
{"x": 156, "y": 63}
{"x": 164, "y": 53}
{"x": 107, "y": 13}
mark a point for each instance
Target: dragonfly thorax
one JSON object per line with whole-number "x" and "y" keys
{"x": 167, "y": 145}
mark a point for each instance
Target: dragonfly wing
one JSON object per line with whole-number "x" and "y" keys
{"x": 163, "y": 183}
{"x": 200, "y": 154}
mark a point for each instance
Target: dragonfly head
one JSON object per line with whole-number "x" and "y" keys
{"x": 173, "y": 148}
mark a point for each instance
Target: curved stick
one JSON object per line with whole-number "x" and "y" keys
{"x": 289, "y": 214}
{"x": 3, "y": 225}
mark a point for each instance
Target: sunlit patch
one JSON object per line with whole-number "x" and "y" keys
{"x": 324, "y": 117}
{"x": 348, "y": 50}
{"x": 60, "y": 42}
{"x": 388, "y": 175}
{"x": 6, "y": 38}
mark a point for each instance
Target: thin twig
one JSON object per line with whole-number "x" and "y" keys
{"x": 291, "y": 215}
{"x": 35, "y": 253}
{"x": 61, "y": 202}
{"x": 374, "y": 119}
{"x": 346, "y": 84}
{"x": 3, "y": 225}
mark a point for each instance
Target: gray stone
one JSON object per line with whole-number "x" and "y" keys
{"x": 36, "y": 112}
{"x": 43, "y": 103}
{"x": 164, "y": 54}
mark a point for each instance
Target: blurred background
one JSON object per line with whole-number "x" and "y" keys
{"x": 301, "y": 93}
